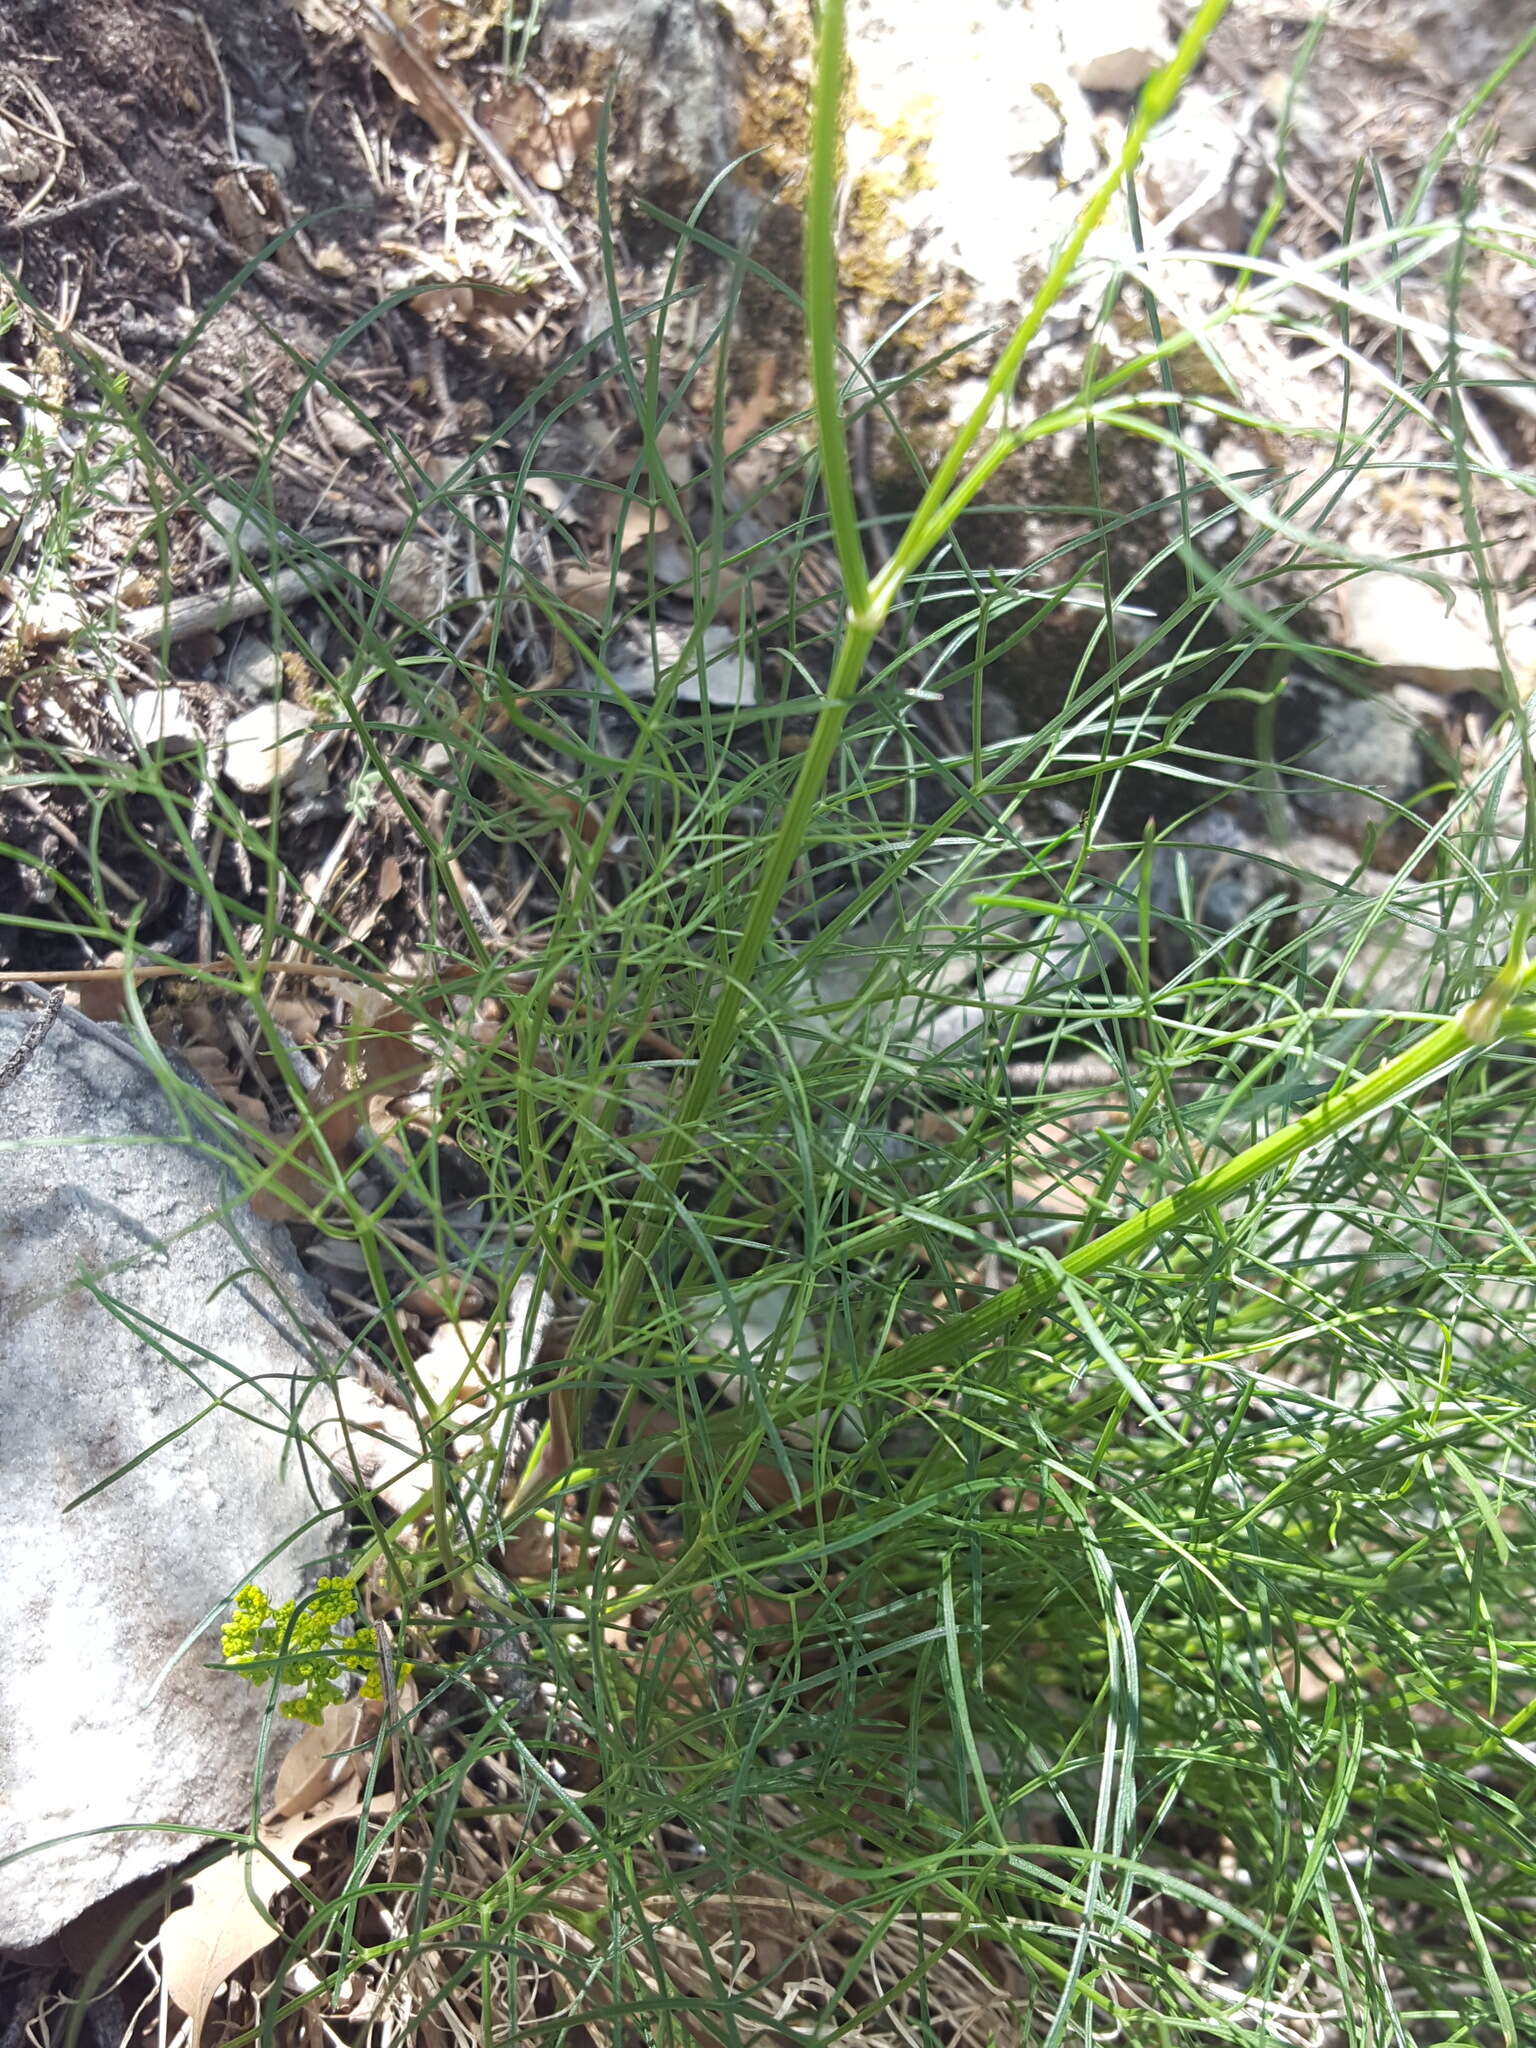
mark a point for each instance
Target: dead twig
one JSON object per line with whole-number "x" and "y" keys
{"x": 303, "y": 469}
{"x": 73, "y": 841}
{"x": 213, "y": 610}
{"x": 415, "y": 74}
{"x": 71, "y": 209}
{"x": 37, "y": 1031}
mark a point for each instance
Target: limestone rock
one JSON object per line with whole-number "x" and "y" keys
{"x": 965, "y": 152}
{"x": 110, "y": 1609}
{"x": 270, "y": 744}
{"x": 1408, "y": 628}
{"x": 720, "y": 669}
{"x": 1199, "y": 188}
{"x": 159, "y": 720}
{"x": 672, "y": 66}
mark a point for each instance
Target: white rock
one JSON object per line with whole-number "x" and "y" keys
{"x": 944, "y": 142}
{"x": 345, "y": 430}
{"x": 22, "y": 154}
{"x": 718, "y": 668}
{"x": 756, "y": 1367}
{"x": 272, "y": 745}
{"x": 18, "y": 491}
{"x": 110, "y": 1608}
{"x": 1114, "y": 45}
{"x": 159, "y": 719}
{"x": 1191, "y": 173}
{"x": 48, "y": 614}
{"x": 1407, "y": 627}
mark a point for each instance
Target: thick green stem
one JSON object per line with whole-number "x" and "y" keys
{"x": 681, "y": 1139}
{"x": 1441, "y": 1049}
{"x": 609, "y": 1321}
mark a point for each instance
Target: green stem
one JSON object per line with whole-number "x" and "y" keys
{"x": 609, "y": 1321}
{"x": 940, "y": 504}
{"x": 699, "y": 1099}
{"x": 1477, "y": 1026}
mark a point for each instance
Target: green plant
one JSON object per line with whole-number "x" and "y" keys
{"x": 1031, "y": 1531}
{"x": 1495, "y": 1014}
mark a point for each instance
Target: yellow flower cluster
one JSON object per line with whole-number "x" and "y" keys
{"x": 309, "y": 1644}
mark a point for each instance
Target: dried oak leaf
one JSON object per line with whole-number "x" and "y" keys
{"x": 227, "y": 1922}
{"x": 373, "y": 1447}
{"x": 327, "y": 1754}
{"x": 545, "y": 134}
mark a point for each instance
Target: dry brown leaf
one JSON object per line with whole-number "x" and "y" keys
{"x": 556, "y": 1454}
{"x": 204, "y": 1943}
{"x": 104, "y": 1002}
{"x": 326, "y": 1757}
{"x": 589, "y": 591}
{"x": 549, "y": 492}
{"x": 677, "y": 1666}
{"x": 374, "y": 1447}
{"x": 750, "y": 416}
{"x": 380, "y": 1059}
{"x": 540, "y": 1545}
{"x": 1056, "y": 1184}
{"x": 300, "y": 1016}
{"x": 445, "y": 1297}
{"x": 415, "y": 78}
{"x": 444, "y": 305}
{"x": 545, "y": 134}
{"x": 558, "y": 809}
{"x": 326, "y": 17}
{"x": 642, "y": 521}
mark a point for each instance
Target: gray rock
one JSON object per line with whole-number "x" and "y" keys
{"x": 1210, "y": 875}
{"x": 672, "y": 64}
{"x": 269, "y": 146}
{"x": 1364, "y": 760}
{"x": 1460, "y": 43}
{"x": 244, "y": 530}
{"x": 255, "y": 673}
{"x": 109, "y": 1716}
